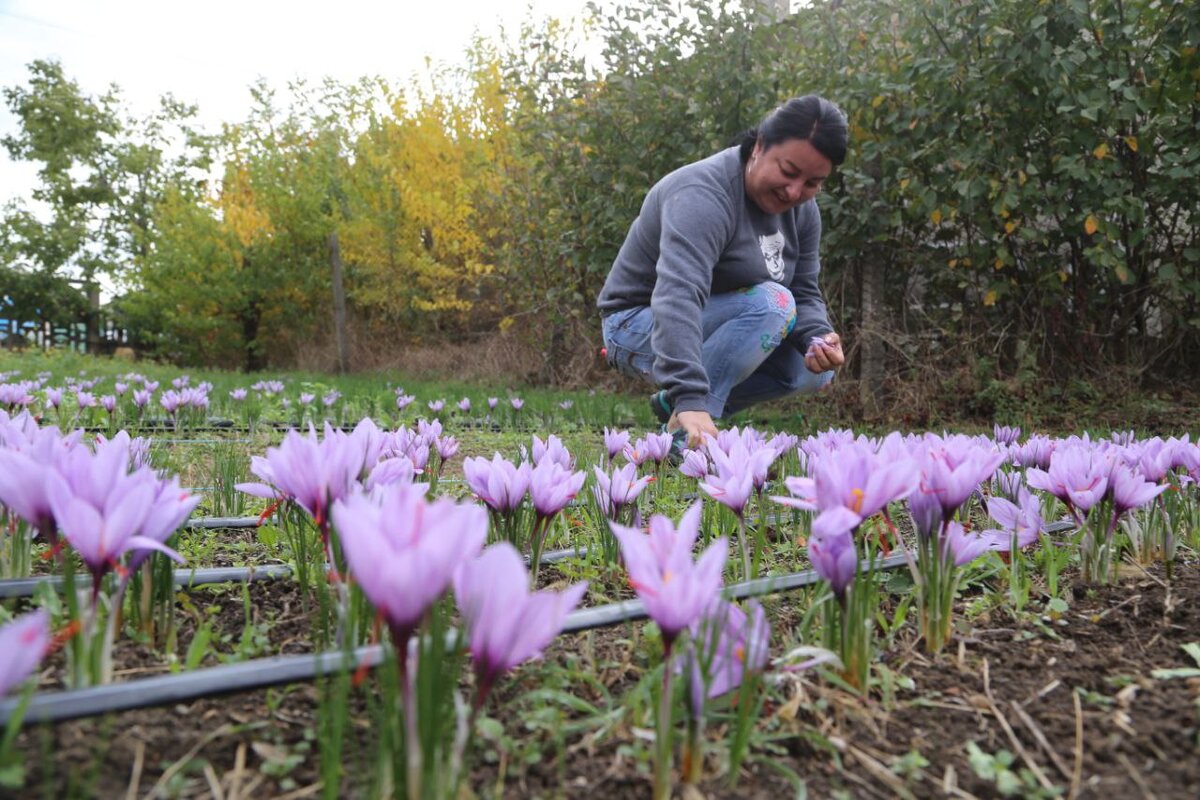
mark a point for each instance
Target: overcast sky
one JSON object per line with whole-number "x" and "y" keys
{"x": 209, "y": 52}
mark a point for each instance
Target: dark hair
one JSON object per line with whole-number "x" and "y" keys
{"x": 811, "y": 118}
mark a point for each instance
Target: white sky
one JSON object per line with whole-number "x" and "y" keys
{"x": 210, "y": 52}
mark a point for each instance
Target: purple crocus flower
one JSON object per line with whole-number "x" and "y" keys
{"x": 141, "y": 398}
{"x": 436, "y": 406}
{"x": 26, "y": 464}
{"x": 962, "y": 546}
{"x": 730, "y": 644}
{"x": 85, "y": 399}
{"x": 1022, "y": 521}
{"x": 551, "y": 487}
{"x": 330, "y": 398}
{"x": 397, "y": 469}
{"x": 619, "y": 490}
{"x": 464, "y": 405}
{"x": 171, "y": 401}
{"x": 854, "y": 478}
{"x": 636, "y": 453}
{"x": 731, "y": 489}
{"x": 499, "y": 483}
{"x": 674, "y": 589}
{"x": 517, "y": 403}
{"x": 694, "y": 464}
{"x": 403, "y": 550}
{"x": 1005, "y": 435}
{"x": 169, "y": 508}
{"x": 552, "y": 449}
{"x": 1036, "y": 452}
{"x": 1077, "y": 475}
{"x": 151, "y": 386}
{"x": 657, "y": 447}
{"x": 404, "y": 400}
{"x": 447, "y": 447}
{"x": 746, "y": 453}
{"x": 615, "y": 442}
{"x": 103, "y": 524}
{"x": 109, "y": 403}
{"x": 238, "y": 394}
{"x": 313, "y": 473}
{"x": 492, "y": 402}
{"x": 954, "y": 467}
{"x": 23, "y": 645}
{"x": 181, "y": 381}
{"x": 120, "y": 388}
{"x": 506, "y": 623}
{"x": 834, "y": 558}
{"x": 1130, "y": 489}
{"x": 54, "y": 397}
{"x": 307, "y": 398}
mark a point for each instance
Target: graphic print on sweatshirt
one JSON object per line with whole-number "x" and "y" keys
{"x": 772, "y": 250}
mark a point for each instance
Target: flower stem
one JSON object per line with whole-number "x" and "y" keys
{"x": 662, "y": 739}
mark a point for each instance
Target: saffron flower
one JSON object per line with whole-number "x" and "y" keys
{"x": 23, "y": 644}
{"x": 499, "y": 483}
{"x": 1077, "y": 475}
{"x": 694, "y": 464}
{"x": 311, "y": 472}
{"x": 618, "y": 490}
{"x": 464, "y": 405}
{"x": 436, "y": 406}
{"x": 404, "y": 400}
{"x": 517, "y": 403}
{"x": 552, "y": 449}
{"x": 507, "y": 624}
{"x": 238, "y": 394}
{"x": 1131, "y": 490}
{"x": 962, "y": 547}
{"x": 1021, "y": 521}
{"x": 403, "y": 550}
{"x": 729, "y": 644}
{"x": 834, "y": 558}
{"x": 674, "y": 589}
{"x": 398, "y": 469}
{"x": 615, "y": 442}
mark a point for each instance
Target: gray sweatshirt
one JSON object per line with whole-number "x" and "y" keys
{"x": 698, "y": 234}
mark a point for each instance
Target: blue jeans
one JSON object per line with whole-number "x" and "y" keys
{"x": 741, "y": 353}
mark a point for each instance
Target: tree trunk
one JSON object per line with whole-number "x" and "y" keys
{"x": 871, "y": 347}
{"x": 339, "y": 304}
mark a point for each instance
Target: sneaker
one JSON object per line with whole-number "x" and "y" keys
{"x": 660, "y": 406}
{"x": 678, "y": 446}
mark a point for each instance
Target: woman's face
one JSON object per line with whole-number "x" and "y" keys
{"x": 785, "y": 175}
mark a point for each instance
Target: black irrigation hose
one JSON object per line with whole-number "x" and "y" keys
{"x": 262, "y": 673}
{"x": 188, "y": 578}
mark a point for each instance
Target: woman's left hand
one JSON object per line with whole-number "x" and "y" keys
{"x": 824, "y": 353}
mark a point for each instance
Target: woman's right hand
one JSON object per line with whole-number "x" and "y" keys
{"x": 696, "y": 423}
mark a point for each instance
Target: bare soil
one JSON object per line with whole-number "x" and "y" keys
{"x": 1073, "y": 701}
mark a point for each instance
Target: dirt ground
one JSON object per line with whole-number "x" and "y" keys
{"x": 1053, "y": 707}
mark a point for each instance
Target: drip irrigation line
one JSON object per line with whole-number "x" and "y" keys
{"x": 189, "y": 578}
{"x": 263, "y": 673}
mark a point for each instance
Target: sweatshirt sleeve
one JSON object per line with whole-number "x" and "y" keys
{"x": 812, "y": 316}
{"x": 696, "y": 226}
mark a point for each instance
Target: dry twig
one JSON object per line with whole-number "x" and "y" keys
{"x": 1077, "y": 773}
{"x": 1012, "y": 737}
{"x": 1033, "y": 728}
{"x": 135, "y": 777}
